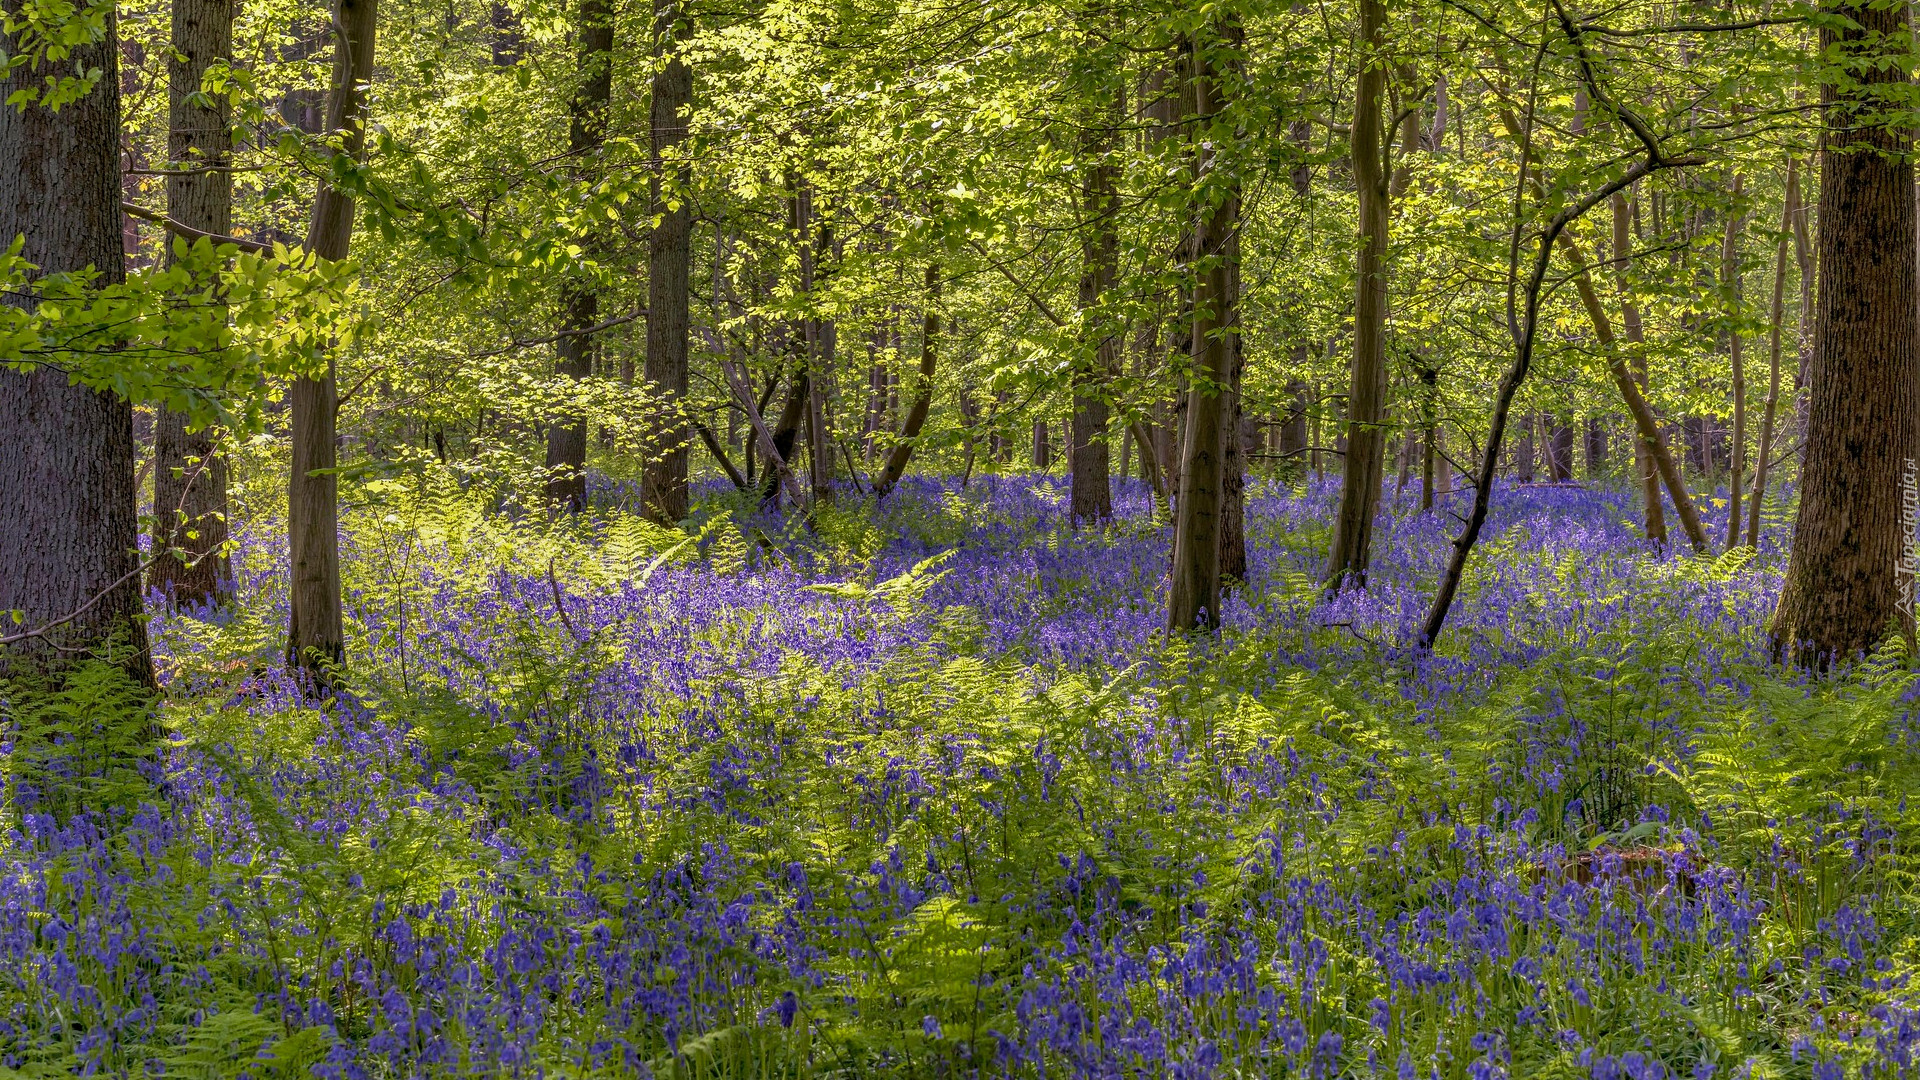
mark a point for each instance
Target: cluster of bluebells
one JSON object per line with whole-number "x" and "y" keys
{"x": 763, "y": 821}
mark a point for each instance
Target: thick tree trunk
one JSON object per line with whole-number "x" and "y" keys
{"x": 1559, "y": 450}
{"x": 315, "y": 637}
{"x": 189, "y": 476}
{"x": 1757, "y": 498}
{"x": 1596, "y": 447}
{"x": 902, "y": 450}
{"x": 1841, "y": 591}
{"x": 1193, "y": 598}
{"x": 1360, "y": 475}
{"x": 69, "y": 528}
{"x": 664, "y": 476}
{"x": 579, "y": 298}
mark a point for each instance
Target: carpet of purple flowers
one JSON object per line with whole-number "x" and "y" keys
{"x": 920, "y": 792}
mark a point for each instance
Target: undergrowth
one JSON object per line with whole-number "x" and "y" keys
{"x": 919, "y": 792}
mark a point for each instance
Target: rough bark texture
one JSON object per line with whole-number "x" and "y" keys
{"x": 579, "y": 299}
{"x": 1193, "y": 596}
{"x": 67, "y": 531}
{"x": 664, "y": 477}
{"x": 189, "y": 478}
{"x": 1360, "y": 476}
{"x": 902, "y": 450}
{"x": 1840, "y": 592}
{"x": 315, "y": 637}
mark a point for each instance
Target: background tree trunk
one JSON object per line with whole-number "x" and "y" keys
{"x": 1840, "y": 594}
{"x": 1757, "y": 497}
{"x": 1644, "y": 465}
{"x": 664, "y": 476}
{"x": 1737, "y": 451}
{"x": 1088, "y": 453}
{"x": 579, "y": 297}
{"x": 68, "y": 532}
{"x": 189, "y": 475}
{"x": 315, "y": 637}
{"x": 923, "y": 397}
{"x": 1360, "y": 472}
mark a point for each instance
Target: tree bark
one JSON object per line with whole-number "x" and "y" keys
{"x": 1736, "y": 457}
{"x": 189, "y": 564}
{"x": 1649, "y": 426}
{"x": 902, "y": 450}
{"x": 1360, "y": 473}
{"x": 1088, "y": 455}
{"x": 1193, "y": 598}
{"x": 579, "y": 296}
{"x": 1644, "y": 466}
{"x": 68, "y": 533}
{"x": 315, "y": 637}
{"x": 1841, "y": 591}
{"x": 1776, "y": 314}
{"x": 664, "y": 476}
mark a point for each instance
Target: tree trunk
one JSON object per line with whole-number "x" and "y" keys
{"x": 1841, "y": 591}
{"x": 1644, "y": 466}
{"x": 1042, "y": 448}
{"x": 1737, "y": 452}
{"x": 1649, "y": 427}
{"x": 1596, "y": 448}
{"x": 189, "y": 564}
{"x": 68, "y": 533}
{"x": 579, "y": 298}
{"x": 1193, "y": 598}
{"x": 1559, "y": 449}
{"x": 315, "y": 638}
{"x": 1776, "y": 314}
{"x": 923, "y": 397}
{"x": 1087, "y": 450}
{"x": 1360, "y": 473}
{"x": 669, "y": 248}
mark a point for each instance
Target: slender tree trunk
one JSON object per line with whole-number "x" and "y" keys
{"x": 1360, "y": 475}
{"x": 1193, "y": 598}
{"x": 1736, "y": 457}
{"x": 1644, "y": 466}
{"x": 1777, "y": 313}
{"x": 669, "y": 250}
{"x": 579, "y": 297}
{"x": 315, "y": 637}
{"x": 1841, "y": 592}
{"x": 189, "y": 562}
{"x": 1042, "y": 447}
{"x": 923, "y": 397}
{"x": 1087, "y": 451}
{"x": 68, "y": 530}
{"x": 1648, "y": 425}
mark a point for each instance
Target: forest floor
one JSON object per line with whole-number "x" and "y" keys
{"x": 922, "y": 792}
